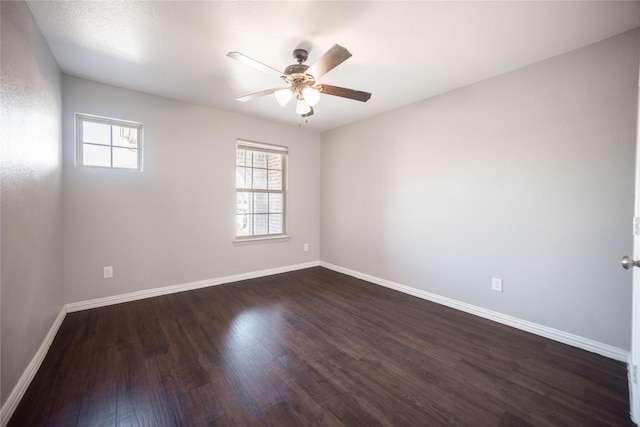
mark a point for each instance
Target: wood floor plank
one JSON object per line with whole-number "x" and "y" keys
{"x": 312, "y": 348}
{"x": 99, "y": 403}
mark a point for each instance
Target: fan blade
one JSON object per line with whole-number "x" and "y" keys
{"x": 310, "y": 113}
{"x": 358, "y": 95}
{"x": 328, "y": 61}
{"x": 256, "y": 64}
{"x": 252, "y": 96}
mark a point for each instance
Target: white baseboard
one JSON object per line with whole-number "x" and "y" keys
{"x": 27, "y": 376}
{"x": 165, "y": 290}
{"x": 534, "y": 328}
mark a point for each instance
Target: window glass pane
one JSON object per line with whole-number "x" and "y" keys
{"x": 244, "y": 225}
{"x": 260, "y": 159}
{"x": 244, "y": 204}
{"x": 125, "y": 158}
{"x": 260, "y": 202}
{"x": 125, "y": 137}
{"x": 260, "y": 224}
{"x": 96, "y": 133}
{"x": 260, "y": 179}
{"x": 275, "y": 180}
{"x": 275, "y": 203}
{"x": 275, "y": 224}
{"x": 243, "y": 157}
{"x": 275, "y": 161}
{"x": 243, "y": 177}
{"x": 96, "y": 155}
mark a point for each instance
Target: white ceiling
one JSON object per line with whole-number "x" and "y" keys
{"x": 403, "y": 52}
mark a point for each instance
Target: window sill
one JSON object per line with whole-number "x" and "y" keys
{"x": 253, "y": 240}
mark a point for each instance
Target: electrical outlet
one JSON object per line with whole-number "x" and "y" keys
{"x": 107, "y": 272}
{"x": 496, "y": 284}
{"x": 306, "y": 247}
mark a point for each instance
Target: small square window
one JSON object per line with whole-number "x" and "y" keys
{"x": 108, "y": 143}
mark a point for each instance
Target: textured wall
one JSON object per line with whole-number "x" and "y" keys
{"x": 528, "y": 176}
{"x": 32, "y": 283}
{"x": 174, "y": 223}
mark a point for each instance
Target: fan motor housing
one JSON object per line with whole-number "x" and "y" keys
{"x": 296, "y": 76}
{"x": 296, "y": 69}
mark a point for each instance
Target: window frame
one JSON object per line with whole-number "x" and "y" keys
{"x": 80, "y": 118}
{"x": 266, "y": 148}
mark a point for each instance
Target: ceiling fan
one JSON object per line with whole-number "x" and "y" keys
{"x": 302, "y": 80}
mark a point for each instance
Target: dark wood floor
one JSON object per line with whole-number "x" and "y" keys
{"x": 307, "y": 348}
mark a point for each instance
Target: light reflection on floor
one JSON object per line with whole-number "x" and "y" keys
{"x": 246, "y": 346}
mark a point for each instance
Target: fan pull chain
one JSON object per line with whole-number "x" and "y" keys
{"x": 306, "y": 121}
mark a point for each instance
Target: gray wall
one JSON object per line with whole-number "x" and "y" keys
{"x": 31, "y": 209}
{"x": 528, "y": 176}
{"x": 174, "y": 223}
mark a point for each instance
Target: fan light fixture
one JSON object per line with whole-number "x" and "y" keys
{"x": 283, "y": 96}
{"x": 302, "y": 107}
{"x": 311, "y": 95}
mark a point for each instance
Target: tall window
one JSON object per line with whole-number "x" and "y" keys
{"x": 261, "y": 179}
{"x": 108, "y": 143}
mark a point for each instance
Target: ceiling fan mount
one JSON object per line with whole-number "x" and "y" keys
{"x": 300, "y": 55}
{"x": 301, "y": 79}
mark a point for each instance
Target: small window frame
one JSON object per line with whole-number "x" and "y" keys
{"x": 81, "y": 118}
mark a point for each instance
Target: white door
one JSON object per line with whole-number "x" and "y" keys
{"x": 627, "y": 262}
